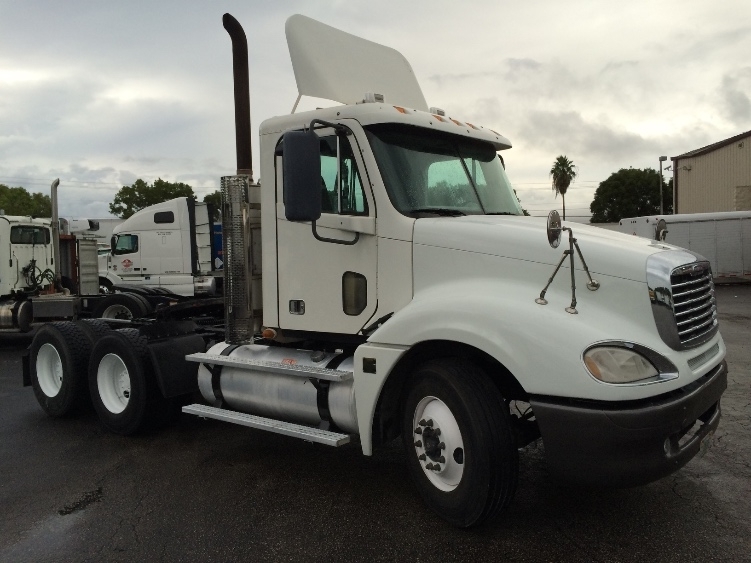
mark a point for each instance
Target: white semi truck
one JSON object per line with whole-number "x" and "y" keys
{"x": 168, "y": 245}
{"x": 382, "y": 282}
{"x": 46, "y": 275}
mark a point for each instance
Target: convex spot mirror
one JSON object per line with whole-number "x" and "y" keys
{"x": 554, "y": 229}
{"x": 302, "y": 176}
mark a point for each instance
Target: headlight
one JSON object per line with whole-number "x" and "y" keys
{"x": 618, "y": 365}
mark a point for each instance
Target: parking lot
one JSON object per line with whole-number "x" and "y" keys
{"x": 209, "y": 491}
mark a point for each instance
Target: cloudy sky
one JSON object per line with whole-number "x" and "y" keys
{"x": 101, "y": 93}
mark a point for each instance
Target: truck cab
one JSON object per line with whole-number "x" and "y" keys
{"x": 165, "y": 245}
{"x": 397, "y": 260}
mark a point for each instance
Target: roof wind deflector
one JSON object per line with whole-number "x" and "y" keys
{"x": 242, "y": 95}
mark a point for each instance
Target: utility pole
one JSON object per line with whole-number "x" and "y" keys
{"x": 662, "y": 159}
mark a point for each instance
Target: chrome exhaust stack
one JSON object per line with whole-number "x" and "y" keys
{"x": 241, "y": 231}
{"x": 55, "y": 232}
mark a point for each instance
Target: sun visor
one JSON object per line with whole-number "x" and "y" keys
{"x": 335, "y": 65}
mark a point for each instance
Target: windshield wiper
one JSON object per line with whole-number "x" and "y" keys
{"x": 501, "y": 213}
{"x": 442, "y": 211}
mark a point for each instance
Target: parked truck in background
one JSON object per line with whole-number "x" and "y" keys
{"x": 48, "y": 275}
{"x": 383, "y": 282}
{"x": 169, "y": 245}
{"x": 724, "y": 239}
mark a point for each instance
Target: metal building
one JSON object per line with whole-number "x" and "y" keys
{"x": 714, "y": 178}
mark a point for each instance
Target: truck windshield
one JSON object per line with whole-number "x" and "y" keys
{"x": 29, "y": 235}
{"x": 429, "y": 172}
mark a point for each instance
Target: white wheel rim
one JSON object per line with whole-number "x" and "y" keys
{"x": 113, "y": 382}
{"x": 438, "y": 443}
{"x": 49, "y": 370}
{"x": 117, "y": 312}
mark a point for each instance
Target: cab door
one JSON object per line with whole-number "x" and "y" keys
{"x": 126, "y": 256}
{"x": 327, "y": 270}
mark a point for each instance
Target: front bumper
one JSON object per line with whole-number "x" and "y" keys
{"x": 630, "y": 442}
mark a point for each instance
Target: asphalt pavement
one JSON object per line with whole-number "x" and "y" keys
{"x": 210, "y": 491}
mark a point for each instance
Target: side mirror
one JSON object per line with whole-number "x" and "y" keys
{"x": 554, "y": 229}
{"x": 302, "y": 176}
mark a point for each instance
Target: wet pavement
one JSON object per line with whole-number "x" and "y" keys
{"x": 209, "y": 491}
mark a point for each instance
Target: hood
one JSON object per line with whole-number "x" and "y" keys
{"x": 607, "y": 253}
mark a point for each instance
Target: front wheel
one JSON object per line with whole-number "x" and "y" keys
{"x": 460, "y": 450}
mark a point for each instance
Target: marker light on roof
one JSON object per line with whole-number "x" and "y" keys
{"x": 373, "y": 98}
{"x": 400, "y": 110}
{"x": 437, "y": 111}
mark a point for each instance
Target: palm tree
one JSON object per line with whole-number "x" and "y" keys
{"x": 563, "y": 173}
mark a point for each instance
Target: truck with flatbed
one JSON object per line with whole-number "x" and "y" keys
{"x": 382, "y": 282}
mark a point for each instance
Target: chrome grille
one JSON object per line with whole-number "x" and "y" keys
{"x": 694, "y": 304}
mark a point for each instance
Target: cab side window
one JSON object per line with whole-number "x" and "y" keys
{"x": 341, "y": 190}
{"x": 126, "y": 244}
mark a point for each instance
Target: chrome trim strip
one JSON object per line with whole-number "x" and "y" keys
{"x": 692, "y": 329}
{"x": 703, "y": 288}
{"x": 687, "y": 311}
{"x": 705, "y": 278}
{"x": 696, "y": 318}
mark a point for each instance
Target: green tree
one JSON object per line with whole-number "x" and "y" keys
{"x": 134, "y": 198}
{"x": 18, "y": 201}
{"x": 630, "y": 192}
{"x": 215, "y": 200}
{"x": 563, "y": 173}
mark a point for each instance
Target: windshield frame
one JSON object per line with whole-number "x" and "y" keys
{"x": 405, "y": 155}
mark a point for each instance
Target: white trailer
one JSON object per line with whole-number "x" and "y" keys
{"x": 724, "y": 239}
{"x": 384, "y": 282}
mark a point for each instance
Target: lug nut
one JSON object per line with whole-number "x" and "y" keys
{"x": 418, "y": 444}
{"x": 429, "y": 466}
{"x": 442, "y": 459}
{"x": 429, "y": 423}
{"x": 421, "y": 457}
{"x": 442, "y": 446}
{"x": 418, "y": 430}
{"x": 436, "y": 467}
{"x": 422, "y": 422}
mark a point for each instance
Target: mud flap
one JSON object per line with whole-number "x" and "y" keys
{"x": 174, "y": 375}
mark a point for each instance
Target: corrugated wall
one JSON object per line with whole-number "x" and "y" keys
{"x": 710, "y": 182}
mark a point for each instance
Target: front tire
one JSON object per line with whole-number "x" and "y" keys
{"x": 460, "y": 449}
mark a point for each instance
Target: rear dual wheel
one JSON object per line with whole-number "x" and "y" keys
{"x": 58, "y": 358}
{"x": 461, "y": 453}
{"x": 125, "y": 306}
{"x": 122, "y": 384}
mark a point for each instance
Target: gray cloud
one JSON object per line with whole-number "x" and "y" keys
{"x": 733, "y": 91}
